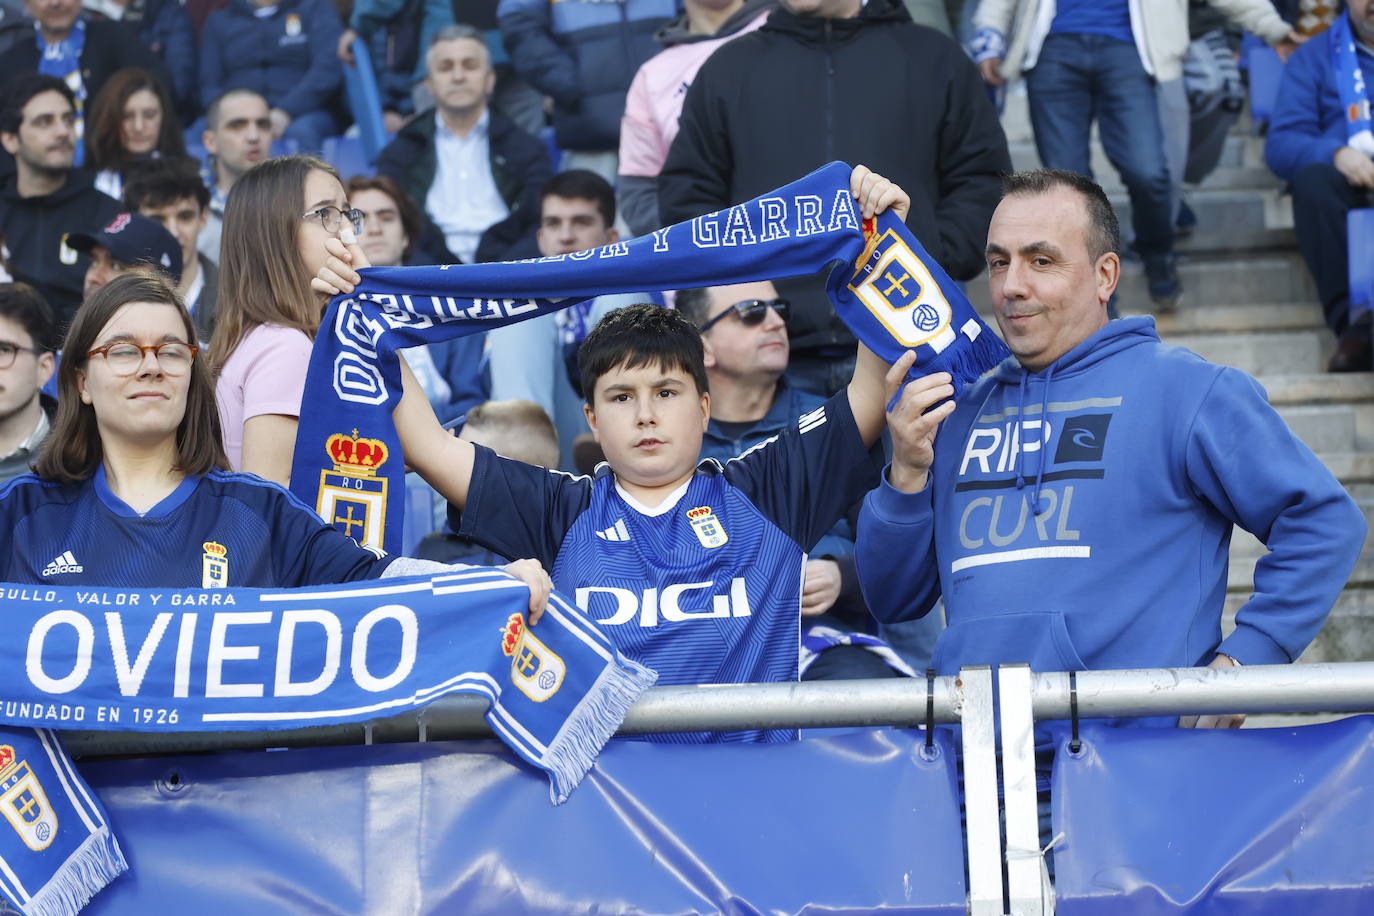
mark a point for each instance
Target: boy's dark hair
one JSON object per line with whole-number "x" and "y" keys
{"x": 19, "y": 91}
{"x": 636, "y": 336}
{"x": 1103, "y": 231}
{"x": 23, "y": 305}
{"x": 582, "y": 184}
{"x": 162, "y": 181}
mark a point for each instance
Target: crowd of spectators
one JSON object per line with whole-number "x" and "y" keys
{"x": 530, "y": 128}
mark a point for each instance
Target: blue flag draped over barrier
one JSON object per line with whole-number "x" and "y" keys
{"x": 253, "y": 659}
{"x": 890, "y": 292}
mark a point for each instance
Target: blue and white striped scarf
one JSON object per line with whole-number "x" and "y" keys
{"x": 890, "y": 292}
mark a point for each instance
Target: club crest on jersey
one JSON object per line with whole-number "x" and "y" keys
{"x": 352, "y": 497}
{"x": 214, "y": 565}
{"x": 24, "y": 803}
{"x": 899, "y": 291}
{"x": 534, "y": 668}
{"x": 707, "y": 527}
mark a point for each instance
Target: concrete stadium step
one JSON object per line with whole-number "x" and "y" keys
{"x": 1226, "y": 319}
{"x": 1331, "y": 427}
{"x": 1268, "y": 278}
{"x": 1241, "y": 167}
{"x": 1227, "y": 208}
{"x": 1260, "y": 352}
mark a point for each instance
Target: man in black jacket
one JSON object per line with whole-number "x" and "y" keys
{"x": 825, "y": 80}
{"x": 96, "y": 47}
{"x": 476, "y": 174}
{"x": 46, "y": 199}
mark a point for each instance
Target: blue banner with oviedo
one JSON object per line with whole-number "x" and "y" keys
{"x": 252, "y": 659}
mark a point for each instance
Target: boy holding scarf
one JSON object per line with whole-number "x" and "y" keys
{"x": 1320, "y": 140}
{"x": 692, "y": 569}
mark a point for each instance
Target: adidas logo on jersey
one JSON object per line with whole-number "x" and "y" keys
{"x": 617, "y": 532}
{"x": 63, "y": 563}
{"x": 813, "y": 420}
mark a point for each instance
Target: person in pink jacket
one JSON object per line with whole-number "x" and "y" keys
{"x": 655, "y": 99}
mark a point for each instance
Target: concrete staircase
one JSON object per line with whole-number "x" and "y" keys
{"x": 1249, "y": 302}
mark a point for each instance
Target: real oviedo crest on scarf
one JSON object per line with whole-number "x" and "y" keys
{"x": 898, "y": 289}
{"x": 352, "y": 496}
{"x": 24, "y": 803}
{"x": 535, "y": 669}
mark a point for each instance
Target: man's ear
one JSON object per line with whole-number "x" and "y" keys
{"x": 612, "y": 235}
{"x": 1107, "y": 273}
{"x": 207, "y": 140}
{"x": 46, "y": 365}
{"x": 708, "y": 355}
{"x": 705, "y": 410}
{"x": 10, "y": 142}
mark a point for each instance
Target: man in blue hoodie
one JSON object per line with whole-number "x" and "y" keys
{"x": 1076, "y": 509}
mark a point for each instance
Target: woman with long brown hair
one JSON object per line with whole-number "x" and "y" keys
{"x": 275, "y": 224}
{"x": 132, "y": 118}
{"x": 131, "y": 486}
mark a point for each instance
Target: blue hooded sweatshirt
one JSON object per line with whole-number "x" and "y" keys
{"x": 1140, "y": 457}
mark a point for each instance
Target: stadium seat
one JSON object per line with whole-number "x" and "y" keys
{"x": 365, "y": 101}
{"x": 1360, "y": 230}
{"x": 419, "y": 521}
{"x": 348, "y": 156}
{"x": 1265, "y": 71}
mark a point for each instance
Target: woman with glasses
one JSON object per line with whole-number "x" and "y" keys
{"x": 276, "y": 221}
{"x": 132, "y": 489}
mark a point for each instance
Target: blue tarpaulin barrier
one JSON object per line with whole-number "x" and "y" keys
{"x": 1265, "y": 822}
{"x": 847, "y": 824}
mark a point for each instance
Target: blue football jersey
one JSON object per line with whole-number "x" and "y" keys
{"x": 217, "y": 530}
{"x": 704, "y": 588}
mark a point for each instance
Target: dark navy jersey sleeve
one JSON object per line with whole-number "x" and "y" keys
{"x": 808, "y": 476}
{"x": 307, "y": 551}
{"x": 520, "y": 510}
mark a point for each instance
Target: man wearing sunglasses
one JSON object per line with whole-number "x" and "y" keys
{"x": 27, "y": 336}
{"x": 745, "y": 349}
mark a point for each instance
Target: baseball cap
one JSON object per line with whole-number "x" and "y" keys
{"x": 134, "y": 239}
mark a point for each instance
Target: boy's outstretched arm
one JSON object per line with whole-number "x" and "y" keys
{"x": 442, "y": 459}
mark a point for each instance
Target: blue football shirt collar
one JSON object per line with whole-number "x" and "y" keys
{"x": 167, "y": 506}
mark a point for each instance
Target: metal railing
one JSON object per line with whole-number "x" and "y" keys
{"x": 1024, "y": 698}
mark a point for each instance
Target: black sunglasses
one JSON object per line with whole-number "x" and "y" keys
{"x": 751, "y": 312}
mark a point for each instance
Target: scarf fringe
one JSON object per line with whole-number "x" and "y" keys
{"x": 968, "y": 361}
{"x": 96, "y": 863}
{"x": 588, "y": 727}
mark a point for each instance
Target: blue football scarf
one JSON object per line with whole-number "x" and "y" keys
{"x": 1350, "y": 84}
{"x": 886, "y": 287}
{"x": 165, "y": 660}
{"x": 62, "y": 59}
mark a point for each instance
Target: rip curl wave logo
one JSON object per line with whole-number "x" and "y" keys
{"x": 1083, "y": 438}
